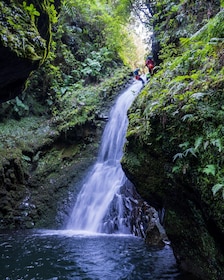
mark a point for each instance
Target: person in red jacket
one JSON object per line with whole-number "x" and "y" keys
{"x": 149, "y": 63}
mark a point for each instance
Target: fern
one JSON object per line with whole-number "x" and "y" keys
{"x": 191, "y": 151}
{"x": 198, "y": 143}
{"x": 217, "y": 188}
{"x": 210, "y": 169}
{"x": 217, "y": 143}
{"x": 178, "y": 155}
{"x": 188, "y": 116}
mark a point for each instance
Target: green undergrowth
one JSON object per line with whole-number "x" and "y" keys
{"x": 46, "y": 155}
{"x": 27, "y": 134}
{"x": 77, "y": 107}
{"x": 186, "y": 95}
{"x": 81, "y": 105}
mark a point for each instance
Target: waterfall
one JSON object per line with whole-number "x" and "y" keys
{"x": 101, "y": 206}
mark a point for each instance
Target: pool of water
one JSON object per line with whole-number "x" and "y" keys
{"x": 57, "y": 255}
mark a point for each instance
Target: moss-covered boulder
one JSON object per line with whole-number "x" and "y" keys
{"x": 25, "y": 36}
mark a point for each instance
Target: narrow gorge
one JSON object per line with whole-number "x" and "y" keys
{"x": 64, "y": 156}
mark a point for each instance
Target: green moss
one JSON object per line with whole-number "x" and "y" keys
{"x": 27, "y": 134}
{"x": 19, "y": 32}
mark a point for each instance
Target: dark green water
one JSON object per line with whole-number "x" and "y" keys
{"x": 57, "y": 255}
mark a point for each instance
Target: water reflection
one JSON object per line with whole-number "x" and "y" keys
{"x": 57, "y": 255}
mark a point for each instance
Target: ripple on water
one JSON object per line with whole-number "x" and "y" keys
{"x": 59, "y": 255}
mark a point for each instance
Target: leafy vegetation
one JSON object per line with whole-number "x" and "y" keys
{"x": 187, "y": 96}
{"x": 175, "y": 137}
{"x": 32, "y": 11}
{"x": 54, "y": 124}
{"x": 88, "y": 44}
{"x": 175, "y": 133}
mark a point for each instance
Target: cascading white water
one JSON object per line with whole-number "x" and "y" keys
{"x": 100, "y": 205}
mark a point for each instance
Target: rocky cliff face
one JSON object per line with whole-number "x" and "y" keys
{"x": 174, "y": 152}
{"x": 25, "y": 28}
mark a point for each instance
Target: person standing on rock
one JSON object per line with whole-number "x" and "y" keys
{"x": 149, "y": 63}
{"x": 137, "y": 75}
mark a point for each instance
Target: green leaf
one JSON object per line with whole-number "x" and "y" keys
{"x": 190, "y": 150}
{"x": 178, "y": 155}
{"x": 175, "y": 169}
{"x": 216, "y": 188}
{"x": 209, "y": 169}
{"x": 184, "y": 145}
{"x": 198, "y": 142}
{"x": 218, "y": 144}
{"x": 26, "y": 158}
{"x": 199, "y": 95}
{"x": 188, "y": 116}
